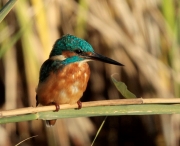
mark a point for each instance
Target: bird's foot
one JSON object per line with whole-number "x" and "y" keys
{"x": 57, "y": 106}
{"x": 79, "y": 103}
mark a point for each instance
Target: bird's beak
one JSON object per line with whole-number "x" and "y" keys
{"x": 96, "y": 56}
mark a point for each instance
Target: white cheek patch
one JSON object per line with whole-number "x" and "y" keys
{"x": 58, "y": 57}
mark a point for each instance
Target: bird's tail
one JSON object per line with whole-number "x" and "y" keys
{"x": 50, "y": 123}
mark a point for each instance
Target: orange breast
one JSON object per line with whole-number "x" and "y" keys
{"x": 64, "y": 86}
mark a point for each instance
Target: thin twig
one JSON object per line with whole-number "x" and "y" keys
{"x": 26, "y": 140}
{"x": 99, "y": 130}
{"x": 29, "y": 110}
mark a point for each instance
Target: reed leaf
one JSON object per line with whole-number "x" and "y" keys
{"x": 115, "y": 110}
{"x": 6, "y": 9}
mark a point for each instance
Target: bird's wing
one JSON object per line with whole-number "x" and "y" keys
{"x": 49, "y": 66}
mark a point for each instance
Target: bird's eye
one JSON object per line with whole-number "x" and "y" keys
{"x": 78, "y": 51}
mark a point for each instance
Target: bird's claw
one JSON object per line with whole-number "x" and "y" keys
{"x": 79, "y": 103}
{"x": 57, "y": 106}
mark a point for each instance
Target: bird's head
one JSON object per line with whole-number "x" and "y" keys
{"x": 72, "y": 49}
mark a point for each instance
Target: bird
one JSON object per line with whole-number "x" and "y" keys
{"x": 64, "y": 76}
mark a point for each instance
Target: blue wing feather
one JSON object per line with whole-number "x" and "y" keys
{"x": 49, "y": 66}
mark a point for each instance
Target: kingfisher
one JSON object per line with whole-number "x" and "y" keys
{"x": 65, "y": 74}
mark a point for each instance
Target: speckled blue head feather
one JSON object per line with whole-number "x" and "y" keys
{"x": 70, "y": 43}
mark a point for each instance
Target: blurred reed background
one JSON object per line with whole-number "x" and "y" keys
{"x": 144, "y": 35}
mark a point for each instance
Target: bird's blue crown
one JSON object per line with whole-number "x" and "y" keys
{"x": 70, "y": 43}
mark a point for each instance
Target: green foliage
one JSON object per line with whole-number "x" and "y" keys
{"x": 122, "y": 88}
{"x": 117, "y": 110}
{"x": 6, "y": 9}
{"x": 99, "y": 130}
